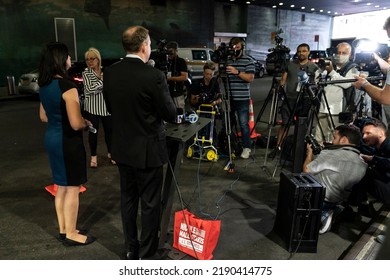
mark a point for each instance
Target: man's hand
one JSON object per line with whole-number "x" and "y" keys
{"x": 232, "y": 70}
{"x": 366, "y": 158}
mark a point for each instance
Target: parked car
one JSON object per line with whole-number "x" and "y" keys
{"x": 315, "y": 55}
{"x": 259, "y": 67}
{"x": 28, "y": 83}
{"x": 195, "y": 58}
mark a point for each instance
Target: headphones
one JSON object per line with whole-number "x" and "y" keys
{"x": 236, "y": 40}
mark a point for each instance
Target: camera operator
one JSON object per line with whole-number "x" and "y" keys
{"x": 206, "y": 90}
{"x": 290, "y": 83}
{"x": 177, "y": 74}
{"x": 381, "y": 95}
{"x": 339, "y": 96}
{"x": 241, "y": 72}
{"x": 338, "y": 167}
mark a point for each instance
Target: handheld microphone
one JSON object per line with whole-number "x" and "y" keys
{"x": 151, "y": 62}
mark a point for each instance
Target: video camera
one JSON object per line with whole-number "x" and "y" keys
{"x": 279, "y": 55}
{"x": 364, "y": 55}
{"x": 221, "y": 55}
{"x": 160, "y": 56}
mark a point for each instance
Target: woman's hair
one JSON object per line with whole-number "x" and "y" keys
{"x": 93, "y": 52}
{"x": 53, "y": 62}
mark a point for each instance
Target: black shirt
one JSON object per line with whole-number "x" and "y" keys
{"x": 176, "y": 66}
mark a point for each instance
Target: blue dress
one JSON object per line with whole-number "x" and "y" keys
{"x": 64, "y": 145}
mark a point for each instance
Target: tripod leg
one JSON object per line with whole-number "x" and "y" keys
{"x": 272, "y": 120}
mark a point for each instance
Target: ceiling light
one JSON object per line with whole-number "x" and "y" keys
{"x": 369, "y": 4}
{"x": 321, "y": 11}
{"x": 280, "y": 4}
{"x": 312, "y": 9}
{"x": 274, "y": 6}
{"x": 303, "y": 7}
{"x": 292, "y": 6}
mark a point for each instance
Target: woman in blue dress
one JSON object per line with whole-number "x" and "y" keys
{"x": 60, "y": 109}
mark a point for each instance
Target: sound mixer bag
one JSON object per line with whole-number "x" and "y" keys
{"x": 194, "y": 236}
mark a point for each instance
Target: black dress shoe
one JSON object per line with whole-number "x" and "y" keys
{"x": 131, "y": 255}
{"x": 367, "y": 210}
{"x": 69, "y": 242}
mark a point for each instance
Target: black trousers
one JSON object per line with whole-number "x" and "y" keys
{"x": 141, "y": 185}
{"x": 93, "y": 137}
{"x": 375, "y": 184}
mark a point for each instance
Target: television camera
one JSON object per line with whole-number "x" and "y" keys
{"x": 364, "y": 55}
{"x": 222, "y": 54}
{"x": 160, "y": 56}
{"x": 279, "y": 55}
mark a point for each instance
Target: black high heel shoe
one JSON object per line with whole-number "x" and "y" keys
{"x": 69, "y": 242}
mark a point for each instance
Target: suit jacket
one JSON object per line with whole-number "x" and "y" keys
{"x": 138, "y": 98}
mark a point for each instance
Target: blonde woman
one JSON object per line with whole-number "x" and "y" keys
{"x": 94, "y": 105}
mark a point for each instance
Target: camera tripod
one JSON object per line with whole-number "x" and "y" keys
{"x": 224, "y": 78}
{"x": 273, "y": 97}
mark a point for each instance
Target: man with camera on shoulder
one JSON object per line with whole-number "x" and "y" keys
{"x": 338, "y": 167}
{"x": 340, "y": 97}
{"x": 241, "y": 72}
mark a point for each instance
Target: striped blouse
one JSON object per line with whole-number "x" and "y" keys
{"x": 93, "y": 90}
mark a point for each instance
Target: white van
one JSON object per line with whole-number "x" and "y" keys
{"x": 196, "y": 58}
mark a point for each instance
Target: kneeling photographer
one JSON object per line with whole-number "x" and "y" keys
{"x": 337, "y": 167}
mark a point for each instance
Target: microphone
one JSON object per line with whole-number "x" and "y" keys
{"x": 303, "y": 78}
{"x": 151, "y": 62}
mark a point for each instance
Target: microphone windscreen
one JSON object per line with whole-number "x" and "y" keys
{"x": 151, "y": 62}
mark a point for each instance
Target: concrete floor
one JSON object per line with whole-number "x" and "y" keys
{"x": 245, "y": 201}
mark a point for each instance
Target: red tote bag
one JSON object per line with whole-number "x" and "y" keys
{"x": 194, "y": 236}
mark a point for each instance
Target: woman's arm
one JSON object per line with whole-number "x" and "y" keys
{"x": 71, "y": 98}
{"x": 42, "y": 113}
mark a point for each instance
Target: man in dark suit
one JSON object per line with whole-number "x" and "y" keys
{"x": 138, "y": 98}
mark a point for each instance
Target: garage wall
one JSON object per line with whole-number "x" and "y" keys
{"x": 26, "y": 25}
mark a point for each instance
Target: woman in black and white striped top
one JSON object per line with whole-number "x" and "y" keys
{"x": 94, "y": 106}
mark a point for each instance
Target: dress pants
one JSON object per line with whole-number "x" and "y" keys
{"x": 141, "y": 185}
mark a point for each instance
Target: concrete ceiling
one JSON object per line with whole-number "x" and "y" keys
{"x": 331, "y": 7}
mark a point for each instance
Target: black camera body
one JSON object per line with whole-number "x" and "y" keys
{"x": 323, "y": 62}
{"x": 315, "y": 146}
{"x": 278, "y": 57}
{"x": 160, "y": 56}
{"x": 221, "y": 55}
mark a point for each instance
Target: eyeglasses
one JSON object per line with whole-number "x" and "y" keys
{"x": 91, "y": 59}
